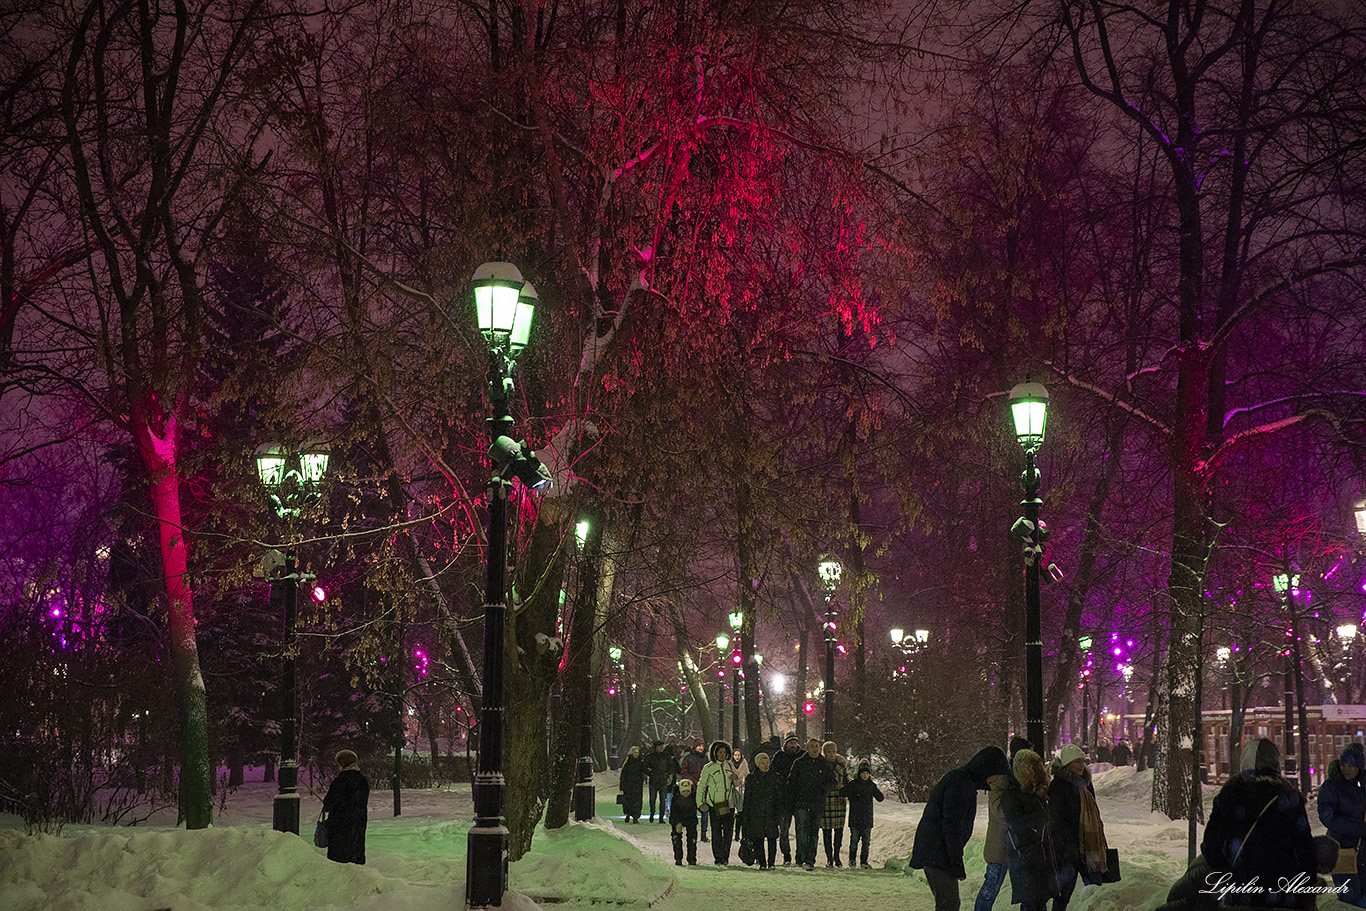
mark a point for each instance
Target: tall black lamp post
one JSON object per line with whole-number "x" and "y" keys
{"x": 830, "y": 571}
{"x": 1029, "y": 408}
{"x": 585, "y": 792}
{"x": 292, "y": 479}
{"x": 504, "y": 304}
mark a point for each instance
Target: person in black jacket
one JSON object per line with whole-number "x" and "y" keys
{"x": 811, "y": 777}
{"x": 632, "y": 785}
{"x": 1079, "y": 850}
{"x": 1342, "y": 810}
{"x": 660, "y": 772}
{"x": 861, "y": 792}
{"x": 1258, "y": 834}
{"x": 761, "y": 811}
{"x": 782, "y": 764}
{"x": 683, "y": 821}
{"x": 1028, "y": 839}
{"x": 946, "y": 824}
{"x": 345, "y": 807}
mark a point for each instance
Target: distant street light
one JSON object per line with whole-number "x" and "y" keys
{"x": 830, "y": 571}
{"x": 1360, "y": 511}
{"x": 292, "y": 478}
{"x": 504, "y": 304}
{"x": 737, "y": 620}
{"x": 1029, "y": 408}
{"x": 722, "y": 643}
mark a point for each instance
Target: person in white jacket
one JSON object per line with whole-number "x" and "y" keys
{"x": 717, "y": 795}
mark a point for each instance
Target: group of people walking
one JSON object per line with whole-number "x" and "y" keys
{"x": 754, "y": 808}
{"x": 1043, "y": 828}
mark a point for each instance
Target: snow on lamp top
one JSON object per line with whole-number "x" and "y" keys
{"x": 1029, "y": 407}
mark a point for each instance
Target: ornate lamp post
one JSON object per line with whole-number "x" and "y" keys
{"x": 1288, "y": 585}
{"x": 722, "y": 643}
{"x": 504, "y": 304}
{"x": 614, "y": 693}
{"x": 585, "y": 792}
{"x": 1084, "y": 643}
{"x": 292, "y": 478}
{"x": 1029, "y": 408}
{"x": 830, "y": 570}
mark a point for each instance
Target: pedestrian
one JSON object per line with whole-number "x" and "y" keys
{"x": 632, "y": 783}
{"x": 861, "y": 791}
{"x": 994, "y": 847}
{"x": 1028, "y": 836}
{"x": 690, "y": 767}
{"x": 946, "y": 824}
{"x": 683, "y": 822}
{"x": 832, "y": 820}
{"x": 1079, "y": 844}
{"x": 1122, "y": 753}
{"x": 810, "y": 779}
{"x": 716, "y": 795}
{"x": 741, "y": 774}
{"x": 1018, "y": 743}
{"x": 660, "y": 771}
{"x": 1103, "y": 751}
{"x": 761, "y": 811}
{"x": 782, "y": 764}
{"x": 1258, "y": 832}
{"x": 1342, "y": 810}
{"x": 345, "y": 807}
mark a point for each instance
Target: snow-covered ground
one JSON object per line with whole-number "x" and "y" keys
{"x": 416, "y": 862}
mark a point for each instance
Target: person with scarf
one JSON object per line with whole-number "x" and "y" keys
{"x": 833, "y": 819}
{"x": 1078, "y": 834}
{"x": 716, "y": 795}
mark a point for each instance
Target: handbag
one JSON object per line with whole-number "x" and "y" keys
{"x": 722, "y": 807}
{"x": 1347, "y": 861}
{"x": 1111, "y": 874}
{"x": 619, "y": 797}
{"x": 320, "y": 831}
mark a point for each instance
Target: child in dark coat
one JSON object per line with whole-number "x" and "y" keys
{"x": 861, "y": 791}
{"x": 683, "y": 821}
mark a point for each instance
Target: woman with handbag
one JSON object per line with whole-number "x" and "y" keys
{"x": 1342, "y": 810}
{"x": 1078, "y": 835}
{"x": 345, "y": 811}
{"x": 716, "y": 795}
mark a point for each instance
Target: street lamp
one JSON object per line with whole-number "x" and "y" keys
{"x": 1029, "y": 408}
{"x": 737, "y": 620}
{"x": 614, "y": 691}
{"x": 1288, "y": 585}
{"x": 830, "y": 570}
{"x": 1360, "y": 511}
{"x": 1084, "y": 643}
{"x": 504, "y": 304}
{"x": 292, "y": 478}
{"x": 722, "y": 642}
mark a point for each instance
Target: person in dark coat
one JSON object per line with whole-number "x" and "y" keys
{"x": 683, "y": 821}
{"x": 1342, "y": 810}
{"x": 346, "y": 809}
{"x": 632, "y": 785}
{"x": 782, "y": 765}
{"x": 1258, "y": 834}
{"x": 1121, "y": 754}
{"x": 690, "y": 767}
{"x": 761, "y": 811}
{"x": 810, "y": 779}
{"x": 946, "y": 824}
{"x": 660, "y": 772}
{"x": 1028, "y": 839}
{"x": 861, "y": 791}
{"x": 1079, "y": 848}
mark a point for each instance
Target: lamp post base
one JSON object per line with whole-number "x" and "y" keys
{"x": 585, "y": 798}
{"x": 486, "y": 867}
{"x": 287, "y": 813}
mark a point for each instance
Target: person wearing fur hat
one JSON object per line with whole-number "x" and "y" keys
{"x": 1342, "y": 810}
{"x": 761, "y": 813}
{"x": 690, "y": 767}
{"x": 861, "y": 791}
{"x": 946, "y": 824}
{"x": 1027, "y": 841}
{"x": 717, "y": 794}
{"x": 782, "y": 765}
{"x": 1079, "y": 844}
{"x": 1258, "y": 833}
{"x": 345, "y": 808}
{"x": 683, "y": 821}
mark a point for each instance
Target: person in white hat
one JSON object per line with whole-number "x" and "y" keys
{"x": 1078, "y": 835}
